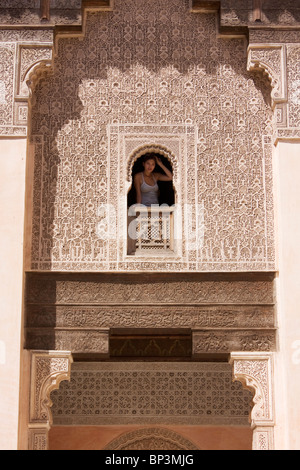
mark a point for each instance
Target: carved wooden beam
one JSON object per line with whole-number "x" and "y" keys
{"x": 45, "y": 10}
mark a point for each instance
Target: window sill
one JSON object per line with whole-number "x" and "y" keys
{"x": 145, "y": 256}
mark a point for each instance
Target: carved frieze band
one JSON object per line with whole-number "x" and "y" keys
{"x": 48, "y": 370}
{"x": 76, "y": 312}
{"x": 255, "y": 372}
{"x": 226, "y": 340}
{"x": 85, "y": 340}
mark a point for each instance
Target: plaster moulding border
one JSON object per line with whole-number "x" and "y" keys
{"x": 255, "y": 372}
{"x": 129, "y": 141}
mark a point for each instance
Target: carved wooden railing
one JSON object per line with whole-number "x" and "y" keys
{"x": 153, "y": 229}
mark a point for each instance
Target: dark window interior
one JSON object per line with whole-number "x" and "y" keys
{"x": 167, "y": 194}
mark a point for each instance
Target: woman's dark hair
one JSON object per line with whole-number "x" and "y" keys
{"x": 166, "y": 190}
{"x": 149, "y": 156}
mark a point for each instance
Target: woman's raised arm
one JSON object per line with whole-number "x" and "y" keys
{"x": 167, "y": 176}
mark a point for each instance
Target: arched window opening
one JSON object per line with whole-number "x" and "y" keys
{"x": 166, "y": 190}
{"x": 151, "y": 226}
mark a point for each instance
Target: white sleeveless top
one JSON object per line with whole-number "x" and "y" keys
{"x": 149, "y": 193}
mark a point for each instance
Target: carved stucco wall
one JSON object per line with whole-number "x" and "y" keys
{"x": 156, "y": 75}
{"x": 276, "y": 51}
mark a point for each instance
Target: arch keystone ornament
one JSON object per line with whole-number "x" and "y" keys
{"x": 255, "y": 372}
{"x": 148, "y": 148}
{"x": 48, "y": 370}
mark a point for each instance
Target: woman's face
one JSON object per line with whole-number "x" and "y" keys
{"x": 149, "y": 165}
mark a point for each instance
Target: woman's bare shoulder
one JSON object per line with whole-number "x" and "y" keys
{"x": 137, "y": 176}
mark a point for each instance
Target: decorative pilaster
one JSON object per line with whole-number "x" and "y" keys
{"x": 271, "y": 59}
{"x": 48, "y": 370}
{"x": 255, "y": 372}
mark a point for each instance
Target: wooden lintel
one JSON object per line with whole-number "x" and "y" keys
{"x": 202, "y": 6}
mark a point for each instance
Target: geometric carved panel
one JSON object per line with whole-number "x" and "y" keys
{"x": 151, "y": 393}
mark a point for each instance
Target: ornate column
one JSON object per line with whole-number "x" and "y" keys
{"x": 48, "y": 370}
{"x": 255, "y": 372}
